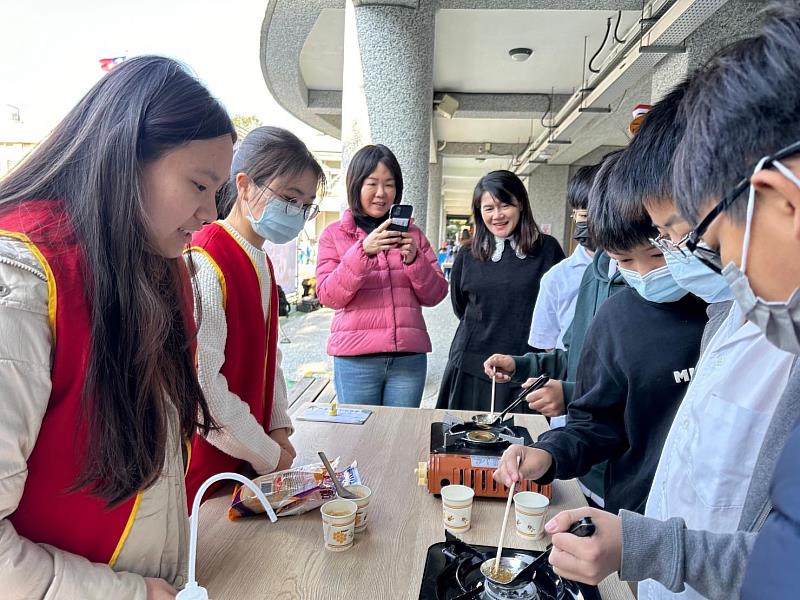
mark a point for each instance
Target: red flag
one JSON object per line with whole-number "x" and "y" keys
{"x": 109, "y": 63}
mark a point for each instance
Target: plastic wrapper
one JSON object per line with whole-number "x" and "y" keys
{"x": 293, "y": 491}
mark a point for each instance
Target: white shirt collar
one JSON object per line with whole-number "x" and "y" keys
{"x": 499, "y": 246}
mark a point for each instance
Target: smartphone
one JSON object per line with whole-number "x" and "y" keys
{"x": 400, "y": 217}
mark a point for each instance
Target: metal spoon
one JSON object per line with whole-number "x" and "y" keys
{"x": 582, "y": 528}
{"x": 340, "y": 491}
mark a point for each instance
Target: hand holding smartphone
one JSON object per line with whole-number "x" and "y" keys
{"x": 400, "y": 217}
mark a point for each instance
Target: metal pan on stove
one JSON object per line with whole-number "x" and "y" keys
{"x": 482, "y": 436}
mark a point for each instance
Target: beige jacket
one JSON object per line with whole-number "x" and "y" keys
{"x": 157, "y": 543}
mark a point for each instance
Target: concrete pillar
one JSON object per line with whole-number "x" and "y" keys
{"x": 735, "y": 20}
{"x": 434, "y": 216}
{"x": 387, "y": 88}
{"x": 547, "y": 188}
{"x": 442, "y": 223}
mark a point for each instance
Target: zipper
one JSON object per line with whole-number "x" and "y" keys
{"x": 20, "y": 265}
{"x": 765, "y": 512}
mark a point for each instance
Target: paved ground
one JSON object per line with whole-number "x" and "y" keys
{"x": 305, "y": 336}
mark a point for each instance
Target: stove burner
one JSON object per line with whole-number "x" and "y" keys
{"x": 468, "y": 438}
{"x": 452, "y": 569}
{"x": 515, "y": 591}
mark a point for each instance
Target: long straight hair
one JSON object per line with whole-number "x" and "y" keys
{"x": 139, "y": 361}
{"x": 507, "y": 188}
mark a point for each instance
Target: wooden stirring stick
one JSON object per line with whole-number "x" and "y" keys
{"x": 505, "y": 521}
{"x": 494, "y": 381}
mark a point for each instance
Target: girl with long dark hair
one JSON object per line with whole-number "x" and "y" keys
{"x": 378, "y": 280}
{"x": 100, "y": 392}
{"x": 274, "y": 181}
{"x": 493, "y": 287}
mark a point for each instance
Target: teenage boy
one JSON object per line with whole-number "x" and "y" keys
{"x": 558, "y": 290}
{"x": 714, "y": 493}
{"x": 747, "y": 210}
{"x": 637, "y": 360}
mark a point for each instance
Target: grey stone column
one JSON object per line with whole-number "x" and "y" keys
{"x": 434, "y": 213}
{"x": 735, "y": 20}
{"x": 547, "y": 188}
{"x": 387, "y": 88}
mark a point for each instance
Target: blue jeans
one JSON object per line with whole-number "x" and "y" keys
{"x": 380, "y": 381}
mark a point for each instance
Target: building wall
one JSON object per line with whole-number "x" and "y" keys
{"x": 11, "y": 153}
{"x": 546, "y": 187}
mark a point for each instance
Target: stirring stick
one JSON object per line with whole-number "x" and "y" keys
{"x": 505, "y": 520}
{"x": 494, "y": 381}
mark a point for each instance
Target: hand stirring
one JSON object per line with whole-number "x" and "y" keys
{"x": 505, "y": 521}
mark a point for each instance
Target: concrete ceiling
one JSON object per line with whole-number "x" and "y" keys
{"x": 471, "y": 62}
{"x": 471, "y": 52}
{"x": 501, "y": 101}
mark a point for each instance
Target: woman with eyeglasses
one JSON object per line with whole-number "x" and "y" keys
{"x": 378, "y": 280}
{"x": 274, "y": 180}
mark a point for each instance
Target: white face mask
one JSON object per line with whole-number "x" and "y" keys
{"x": 780, "y": 321}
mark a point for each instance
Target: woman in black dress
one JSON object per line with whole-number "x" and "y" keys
{"x": 493, "y": 286}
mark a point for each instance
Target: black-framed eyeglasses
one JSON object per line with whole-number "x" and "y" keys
{"x": 694, "y": 243}
{"x": 294, "y": 206}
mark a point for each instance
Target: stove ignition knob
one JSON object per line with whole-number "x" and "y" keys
{"x": 422, "y": 474}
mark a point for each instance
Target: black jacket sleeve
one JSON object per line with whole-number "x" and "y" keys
{"x": 457, "y": 296}
{"x": 595, "y": 429}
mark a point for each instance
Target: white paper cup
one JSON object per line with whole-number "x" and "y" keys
{"x": 338, "y": 524}
{"x": 364, "y": 496}
{"x": 530, "y": 509}
{"x": 457, "y": 507}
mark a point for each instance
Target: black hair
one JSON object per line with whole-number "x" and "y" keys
{"x": 580, "y": 185}
{"x": 743, "y": 106}
{"x": 265, "y": 154}
{"x": 507, "y": 188}
{"x": 613, "y": 225}
{"x": 643, "y": 171}
{"x": 362, "y": 165}
{"x": 140, "y": 368}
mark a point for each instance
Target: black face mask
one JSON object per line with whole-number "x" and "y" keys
{"x": 581, "y": 235}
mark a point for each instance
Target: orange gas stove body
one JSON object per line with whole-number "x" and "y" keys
{"x": 475, "y": 472}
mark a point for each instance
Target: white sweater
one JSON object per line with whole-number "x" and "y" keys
{"x": 241, "y": 435}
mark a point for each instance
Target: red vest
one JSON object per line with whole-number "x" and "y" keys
{"x": 250, "y": 352}
{"x": 48, "y": 513}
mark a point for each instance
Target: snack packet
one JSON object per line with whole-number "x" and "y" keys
{"x": 293, "y": 491}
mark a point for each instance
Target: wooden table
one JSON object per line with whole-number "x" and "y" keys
{"x": 254, "y": 559}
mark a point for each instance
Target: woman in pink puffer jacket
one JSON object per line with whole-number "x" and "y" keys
{"x": 378, "y": 281}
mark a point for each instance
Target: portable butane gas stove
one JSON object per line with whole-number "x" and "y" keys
{"x": 465, "y": 454}
{"x": 452, "y": 570}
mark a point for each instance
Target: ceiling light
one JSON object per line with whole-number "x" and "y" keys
{"x": 520, "y": 54}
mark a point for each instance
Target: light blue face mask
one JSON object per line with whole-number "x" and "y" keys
{"x": 694, "y": 276}
{"x": 280, "y": 222}
{"x": 656, "y": 286}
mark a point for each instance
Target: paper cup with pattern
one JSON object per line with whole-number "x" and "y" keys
{"x": 457, "y": 507}
{"x": 364, "y": 496}
{"x": 530, "y": 509}
{"x": 338, "y": 524}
